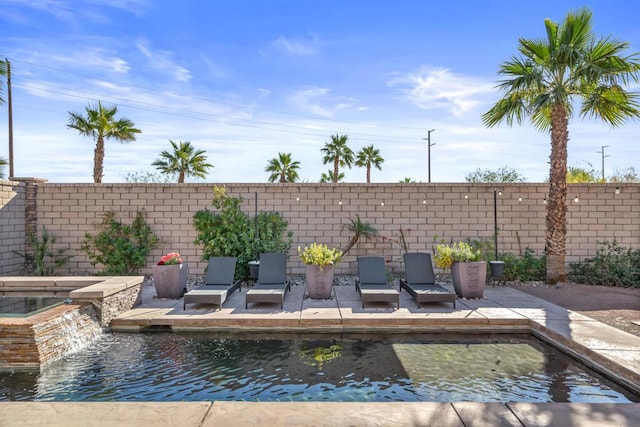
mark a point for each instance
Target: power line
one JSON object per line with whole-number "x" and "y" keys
{"x": 223, "y": 102}
{"x": 91, "y": 96}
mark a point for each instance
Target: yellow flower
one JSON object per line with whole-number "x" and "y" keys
{"x": 319, "y": 254}
{"x": 446, "y": 255}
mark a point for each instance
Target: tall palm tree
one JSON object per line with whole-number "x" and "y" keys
{"x": 329, "y": 177}
{"x": 100, "y": 124}
{"x": 367, "y": 157}
{"x": 283, "y": 169}
{"x": 570, "y": 67}
{"x": 185, "y": 160}
{"x": 339, "y": 153}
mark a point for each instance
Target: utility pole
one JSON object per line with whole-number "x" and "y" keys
{"x": 603, "y": 156}
{"x": 10, "y": 121}
{"x": 429, "y": 145}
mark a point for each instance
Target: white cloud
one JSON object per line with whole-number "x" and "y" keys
{"x": 69, "y": 12}
{"x": 62, "y": 55}
{"x": 213, "y": 68}
{"x": 435, "y": 88}
{"x": 308, "y": 100}
{"x": 161, "y": 61}
{"x": 297, "y": 47}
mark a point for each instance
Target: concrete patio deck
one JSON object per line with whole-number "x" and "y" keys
{"x": 604, "y": 348}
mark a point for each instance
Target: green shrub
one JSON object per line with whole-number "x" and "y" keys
{"x": 613, "y": 265}
{"x": 230, "y": 232}
{"x": 486, "y": 247}
{"x": 524, "y": 268}
{"x": 122, "y": 249}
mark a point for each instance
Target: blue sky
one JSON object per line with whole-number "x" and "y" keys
{"x": 245, "y": 79}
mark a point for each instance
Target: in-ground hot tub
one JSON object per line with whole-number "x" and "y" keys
{"x": 36, "y": 327}
{"x": 26, "y": 306}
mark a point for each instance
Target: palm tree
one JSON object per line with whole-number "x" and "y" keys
{"x": 100, "y": 123}
{"x": 339, "y": 153}
{"x": 367, "y": 157}
{"x": 545, "y": 82}
{"x": 360, "y": 230}
{"x": 3, "y": 163}
{"x": 283, "y": 169}
{"x": 329, "y": 177}
{"x": 185, "y": 160}
{"x": 407, "y": 180}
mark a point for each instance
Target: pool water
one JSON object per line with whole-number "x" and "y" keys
{"x": 203, "y": 367}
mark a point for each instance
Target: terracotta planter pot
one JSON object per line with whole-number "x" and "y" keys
{"x": 319, "y": 283}
{"x": 469, "y": 278}
{"x": 170, "y": 280}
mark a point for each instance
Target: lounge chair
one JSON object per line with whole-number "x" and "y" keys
{"x": 218, "y": 283}
{"x": 272, "y": 282}
{"x": 421, "y": 282}
{"x": 372, "y": 282}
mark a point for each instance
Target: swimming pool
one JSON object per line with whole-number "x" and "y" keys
{"x": 362, "y": 368}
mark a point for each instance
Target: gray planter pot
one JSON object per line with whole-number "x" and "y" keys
{"x": 170, "y": 280}
{"x": 319, "y": 283}
{"x": 254, "y": 269}
{"x": 469, "y": 278}
{"x": 497, "y": 269}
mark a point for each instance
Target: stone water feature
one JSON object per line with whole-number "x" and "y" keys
{"x": 35, "y": 340}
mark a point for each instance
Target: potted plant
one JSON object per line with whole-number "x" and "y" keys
{"x": 320, "y": 262}
{"x": 170, "y": 276}
{"x": 468, "y": 273}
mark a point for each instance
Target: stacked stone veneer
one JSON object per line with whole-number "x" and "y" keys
{"x": 317, "y": 212}
{"x": 42, "y": 338}
{"x": 111, "y": 297}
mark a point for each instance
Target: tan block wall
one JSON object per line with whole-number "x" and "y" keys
{"x": 12, "y": 227}
{"x": 317, "y": 212}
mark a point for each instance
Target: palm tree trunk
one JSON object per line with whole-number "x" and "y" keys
{"x": 98, "y": 159}
{"x": 181, "y": 177}
{"x": 352, "y": 242}
{"x": 368, "y": 173}
{"x": 336, "y": 162}
{"x": 555, "y": 237}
